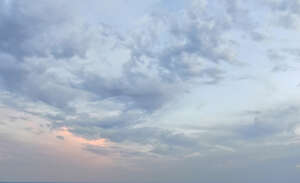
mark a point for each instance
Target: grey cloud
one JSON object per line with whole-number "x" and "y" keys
{"x": 197, "y": 39}
{"x": 58, "y": 61}
{"x": 266, "y": 124}
{"x": 24, "y": 23}
{"x": 274, "y": 126}
{"x": 279, "y": 60}
{"x": 163, "y": 142}
{"x": 257, "y": 130}
{"x": 137, "y": 92}
{"x": 17, "y": 78}
{"x": 12, "y": 73}
{"x": 258, "y": 36}
{"x": 292, "y": 6}
{"x": 113, "y": 122}
{"x": 25, "y": 34}
{"x": 2, "y": 123}
{"x": 49, "y": 59}
{"x": 275, "y": 55}
{"x": 142, "y": 135}
{"x": 115, "y": 151}
{"x": 287, "y": 12}
{"x": 134, "y": 89}
{"x": 293, "y": 51}
{"x": 60, "y": 137}
{"x": 282, "y": 68}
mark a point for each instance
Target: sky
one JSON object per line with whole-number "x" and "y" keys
{"x": 152, "y": 91}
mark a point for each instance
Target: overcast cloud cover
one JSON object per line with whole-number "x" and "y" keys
{"x": 166, "y": 91}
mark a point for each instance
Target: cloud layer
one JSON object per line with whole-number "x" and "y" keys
{"x": 201, "y": 81}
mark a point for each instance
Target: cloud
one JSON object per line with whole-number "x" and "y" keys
{"x": 150, "y": 90}
{"x": 60, "y": 137}
{"x": 287, "y": 12}
{"x": 102, "y": 83}
{"x": 158, "y": 141}
{"x": 115, "y": 152}
{"x": 135, "y": 91}
{"x": 268, "y": 124}
{"x": 58, "y": 60}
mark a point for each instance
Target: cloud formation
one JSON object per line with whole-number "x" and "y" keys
{"x": 161, "y": 90}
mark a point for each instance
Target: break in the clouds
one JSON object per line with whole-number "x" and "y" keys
{"x": 152, "y": 91}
